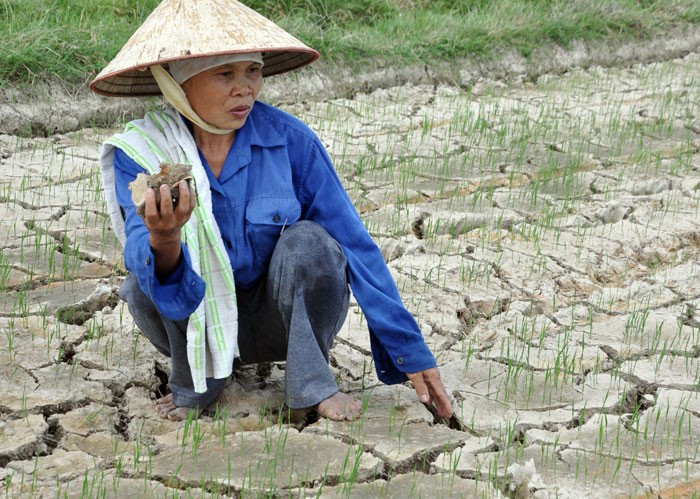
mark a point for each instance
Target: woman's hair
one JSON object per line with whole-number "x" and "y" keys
{"x": 185, "y": 69}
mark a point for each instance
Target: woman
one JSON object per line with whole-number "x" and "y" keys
{"x": 255, "y": 263}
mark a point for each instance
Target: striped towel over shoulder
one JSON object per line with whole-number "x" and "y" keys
{"x": 212, "y": 331}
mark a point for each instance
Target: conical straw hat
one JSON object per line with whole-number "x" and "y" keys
{"x": 183, "y": 29}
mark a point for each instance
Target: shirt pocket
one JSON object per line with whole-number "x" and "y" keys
{"x": 266, "y": 218}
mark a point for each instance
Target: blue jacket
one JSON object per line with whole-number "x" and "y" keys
{"x": 276, "y": 173}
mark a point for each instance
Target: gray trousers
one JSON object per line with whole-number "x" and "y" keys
{"x": 292, "y": 315}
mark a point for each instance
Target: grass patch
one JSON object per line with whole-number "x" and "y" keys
{"x": 67, "y": 39}
{"x": 73, "y": 39}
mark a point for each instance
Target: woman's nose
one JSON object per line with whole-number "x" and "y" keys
{"x": 241, "y": 86}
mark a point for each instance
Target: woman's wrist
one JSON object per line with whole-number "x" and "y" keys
{"x": 166, "y": 253}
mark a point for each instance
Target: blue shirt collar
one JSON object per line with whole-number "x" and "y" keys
{"x": 254, "y": 132}
{"x": 259, "y": 130}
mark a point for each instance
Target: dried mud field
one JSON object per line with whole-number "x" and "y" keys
{"x": 545, "y": 235}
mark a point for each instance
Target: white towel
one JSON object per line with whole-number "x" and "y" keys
{"x": 212, "y": 330}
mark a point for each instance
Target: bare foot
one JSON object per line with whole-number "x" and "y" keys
{"x": 166, "y": 409}
{"x": 340, "y": 407}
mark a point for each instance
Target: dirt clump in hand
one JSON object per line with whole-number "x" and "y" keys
{"x": 169, "y": 174}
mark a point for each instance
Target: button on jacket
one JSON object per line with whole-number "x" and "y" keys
{"x": 276, "y": 173}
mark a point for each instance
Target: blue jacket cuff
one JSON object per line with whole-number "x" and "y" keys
{"x": 175, "y": 297}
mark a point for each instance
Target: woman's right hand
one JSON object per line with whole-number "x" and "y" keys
{"x": 164, "y": 224}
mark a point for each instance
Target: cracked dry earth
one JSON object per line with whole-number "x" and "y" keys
{"x": 545, "y": 234}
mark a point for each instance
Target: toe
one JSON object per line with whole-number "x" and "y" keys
{"x": 166, "y": 400}
{"x": 177, "y": 414}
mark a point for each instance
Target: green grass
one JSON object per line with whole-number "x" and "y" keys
{"x": 71, "y": 40}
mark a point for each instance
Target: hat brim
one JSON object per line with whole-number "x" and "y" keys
{"x": 138, "y": 81}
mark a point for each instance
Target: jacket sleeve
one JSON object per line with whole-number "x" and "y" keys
{"x": 177, "y": 296}
{"x": 398, "y": 346}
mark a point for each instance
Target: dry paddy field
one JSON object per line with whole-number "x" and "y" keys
{"x": 545, "y": 234}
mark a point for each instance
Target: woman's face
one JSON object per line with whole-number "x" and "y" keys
{"x": 223, "y": 96}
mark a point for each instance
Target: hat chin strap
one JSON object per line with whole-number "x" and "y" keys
{"x": 174, "y": 94}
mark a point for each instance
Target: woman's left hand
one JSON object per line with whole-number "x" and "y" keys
{"x": 428, "y": 385}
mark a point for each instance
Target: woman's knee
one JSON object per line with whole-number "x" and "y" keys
{"x": 145, "y": 314}
{"x": 307, "y": 258}
{"x": 140, "y": 306}
{"x": 309, "y": 245}
{"x": 130, "y": 290}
